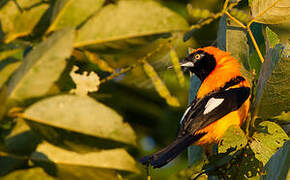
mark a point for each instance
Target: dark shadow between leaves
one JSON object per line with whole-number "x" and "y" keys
{"x": 44, "y": 162}
{"x": 73, "y": 141}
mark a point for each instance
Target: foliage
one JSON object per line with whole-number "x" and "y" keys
{"x": 77, "y": 82}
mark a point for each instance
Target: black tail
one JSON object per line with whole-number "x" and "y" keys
{"x": 168, "y": 153}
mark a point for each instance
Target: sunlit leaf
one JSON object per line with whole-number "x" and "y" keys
{"x": 272, "y": 37}
{"x": 7, "y": 67}
{"x": 81, "y": 115}
{"x": 71, "y": 13}
{"x": 117, "y": 159}
{"x": 159, "y": 85}
{"x": 284, "y": 116}
{"x": 85, "y": 82}
{"x": 41, "y": 67}
{"x": 28, "y": 174}
{"x": 271, "y": 11}
{"x": 20, "y": 21}
{"x": 233, "y": 139}
{"x": 78, "y": 172}
{"x": 267, "y": 139}
{"x": 8, "y": 53}
{"x": 129, "y": 19}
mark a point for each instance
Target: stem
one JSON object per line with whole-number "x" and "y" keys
{"x": 236, "y": 20}
{"x": 140, "y": 61}
{"x": 250, "y": 33}
{"x": 255, "y": 43}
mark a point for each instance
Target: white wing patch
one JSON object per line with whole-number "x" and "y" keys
{"x": 212, "y": 104}
{"x": 186, "y": 111}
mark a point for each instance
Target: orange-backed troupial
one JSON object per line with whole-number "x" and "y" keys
{"x": 222, "y": 101}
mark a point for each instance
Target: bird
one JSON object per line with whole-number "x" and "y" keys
{"x": 222, "y": 100}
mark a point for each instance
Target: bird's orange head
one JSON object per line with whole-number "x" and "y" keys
{"x": 204, "y": 61}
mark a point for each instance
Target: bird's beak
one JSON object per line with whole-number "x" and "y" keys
{"x": 184, "y": 64}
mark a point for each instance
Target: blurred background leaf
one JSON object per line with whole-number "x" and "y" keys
{"x": 20, "y": 17}
{"x": 40, "y": 68}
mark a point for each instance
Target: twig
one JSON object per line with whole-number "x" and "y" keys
{"x": 140, "y": 61}
{"x": 215, "y": 16}
{"x": 247, "y": 27}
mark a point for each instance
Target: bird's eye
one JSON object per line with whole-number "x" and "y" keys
{"x": 197, "y": 57}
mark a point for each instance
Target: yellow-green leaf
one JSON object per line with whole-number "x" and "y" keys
{"x": 9, "y": 53}
{"x": 233, "y": 139}
{"x": 284, "y": 116}
{"x": 271, "y": 11}
{"x": 129, "y": 19}
{"x": 116, "y": 159}
{"x": 41, "y": 67}
{"x": 159, "y": 85}
{"x": 28, "y": 174}
{"x": 83, "y": 115}
{"x": 7, "y": 67}
{"x": 20, "y": 21}
{"x": 267, "y": 139}
{"x": 71, "y": 13}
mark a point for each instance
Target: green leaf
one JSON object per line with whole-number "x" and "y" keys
{"x": 237, "y": 36}
{"x": 71, "y": 13}
{"x": 41, "y": 68}
{"x": 20, "y": 20}
{"x": 77, "y": 173}
{"x": 272, "y": 37}
{"x": 272, "y": 58}
{"x": 267, "y": 139}
{"x": 80, "y": 115}
{"x": 28, "y": 174}
{"x": 240, "y": 165}
{"x": 233, "y": 139}
{"x": 129, "y": 19}
{"x": 276, "y": 97}
{"x": 271, "y": 11}
{"x": 117, "y": 159}
{"x": 278, "y": 165}
{"x": 274, "y": 80}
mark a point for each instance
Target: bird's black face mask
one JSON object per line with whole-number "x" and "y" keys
{"x": 200, "y": 63}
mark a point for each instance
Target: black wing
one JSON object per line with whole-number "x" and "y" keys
{"x": 211, "y": 108}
